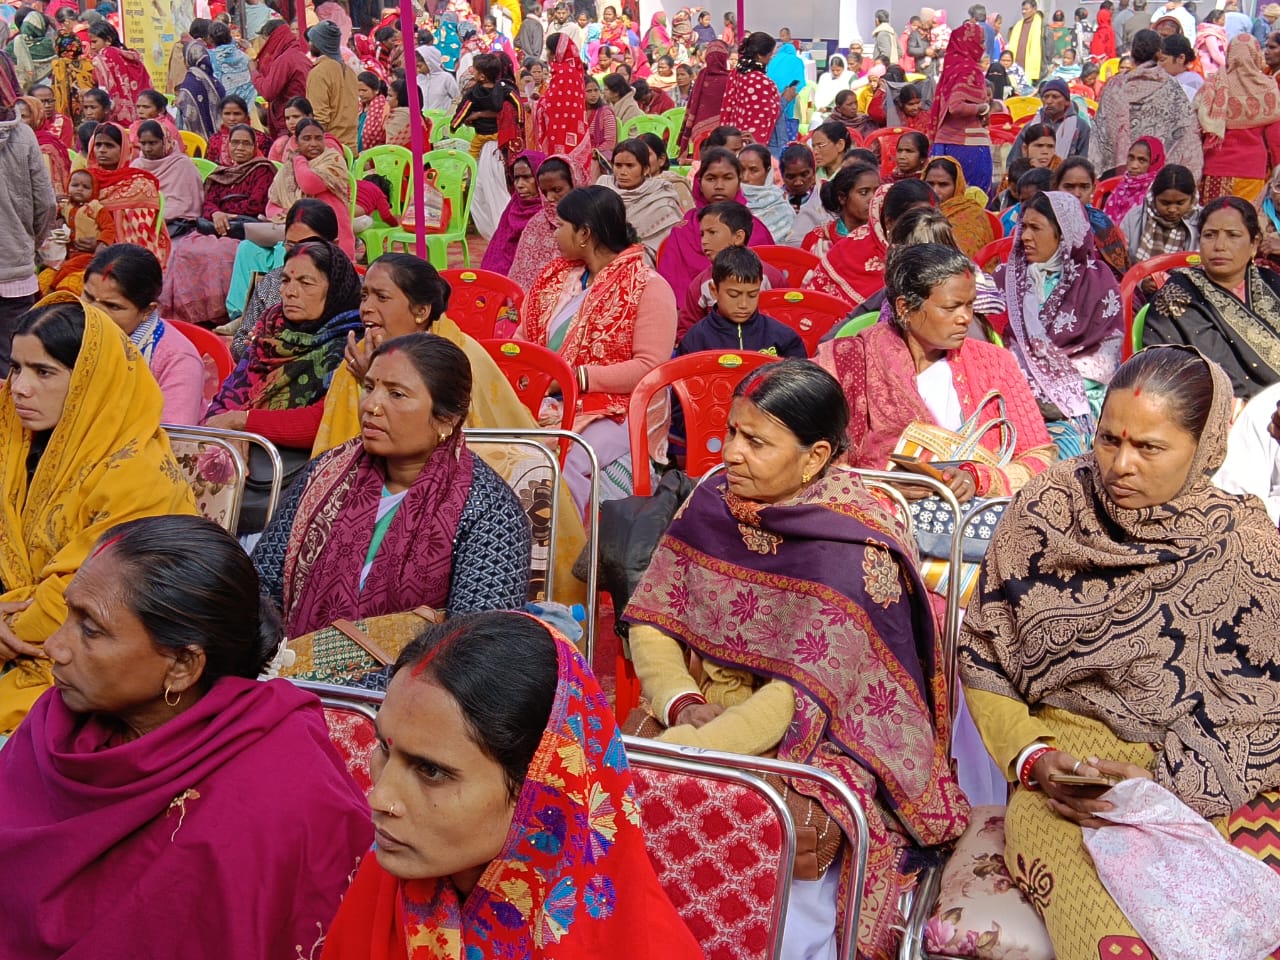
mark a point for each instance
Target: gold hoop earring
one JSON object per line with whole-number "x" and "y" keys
{"x": 175, "y": 701}
{"x": 804, "y": 477}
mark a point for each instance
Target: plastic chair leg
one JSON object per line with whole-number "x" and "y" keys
{"x": 627, "y": 692}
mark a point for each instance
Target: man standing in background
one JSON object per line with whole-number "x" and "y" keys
{"x": 1028, "y": 40}
{"x": 1122, "y": 16}
{"x": 1141, "y": 20}
{"x": 991, "y": 39}
{"x": 884, "y": 42}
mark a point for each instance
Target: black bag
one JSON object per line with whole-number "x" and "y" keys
{"x": 257, "y": 485}
{"x": 630, "y": 529}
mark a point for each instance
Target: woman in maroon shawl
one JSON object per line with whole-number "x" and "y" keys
{"x": 160, "y": 800}
{"x": 680, "y": 258}
{"x": 703, "y": 110}
{"x": 404, "y": 516}
{"x": 957, "y": 120}
{"x": 525, "y": 203}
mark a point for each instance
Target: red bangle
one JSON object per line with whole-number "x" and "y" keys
{"x": 972, "y": 471}
{"x": 680, "y": 703}
{"x": 1024, "y": 772}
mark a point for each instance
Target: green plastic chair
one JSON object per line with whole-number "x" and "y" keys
{"x": 455, "y": 178}
{"x": 389, "y": 161}
{"x": 675, "y": 123}
{"x": 438, "y": 118}
{"x": 804, "y": 106}
{"x": 160, "y": 224}
{"x": 860, "y": 322}
{"x": 646, "y": 124}
{"x": 205, "y": 167}
{"x": 349, "y": 156}
{"x": 1139, "y": 325}
{"x": 462, "y": 133}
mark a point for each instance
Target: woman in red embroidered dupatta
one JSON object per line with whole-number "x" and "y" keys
{"x": 572, "y": 880}
{"x": 562, "y": 113}
{"x": 612, "y": 319}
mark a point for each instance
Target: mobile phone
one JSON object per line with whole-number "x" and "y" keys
{"x": 794, "y": 83}
{"x": 916, "y": 465}
{"x": 1073, "y": 780}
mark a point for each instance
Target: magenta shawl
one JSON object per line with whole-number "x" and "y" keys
{"x": 333, "y": 529}
{"x": 680, "y": 258}
{"x": 501, "y": 251}
{"x": 230, "y": 831}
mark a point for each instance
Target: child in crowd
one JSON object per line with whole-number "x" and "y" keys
{"x": 733, "y": 320}
{"x": 799, "y": 174}
{"x": 1008, "y": 195}
{"x": 724, "y": 225}
{"x": 1144, "y": 161}
{"x": 764, "y": 197}
{"x": 1036, "y": 180}
{"x": 373, "y": 196}
{"x": 1039, "y": 145}
{"x": 91, "y": 227}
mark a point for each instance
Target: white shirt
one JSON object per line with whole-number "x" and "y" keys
{"x": 1191, "y": 82}
{"x": 938, "y": 391}
{"x": 1184, "y": 17}
{"x": 1253, "y": 457}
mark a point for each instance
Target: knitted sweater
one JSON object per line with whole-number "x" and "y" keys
{"x": 27, "y": 205}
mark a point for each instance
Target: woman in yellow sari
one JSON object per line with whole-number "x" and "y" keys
{"x": 964, "y": 207}
{"x": 403, "y": 294}
{"x": 81, "y": 450}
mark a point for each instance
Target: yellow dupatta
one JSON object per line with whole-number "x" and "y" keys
{"x": 107, "y": 462}
{"x": 494, "y": 404}
{"x": 966, "y": 211}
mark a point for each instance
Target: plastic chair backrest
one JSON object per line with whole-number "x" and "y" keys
{"x": 212, "y": 348}
{"x": 390, "y": 161}
{"x": 858, "y": 324}
{"x": 793, "y": 262}
{"x": 704, "y": 383}
{"x": 888, "y": 142}
{"x": 193, "y": 145}
{"x": 1134, "y": 276}
{"x": 997, "y": 228}
{"x": 695, "y": 146}
{"x": 1003, "y": 131}
{"x": 477, "y": 299}
{"x": 722, "y": 844}
{"x": 675, "y": 123}
{"x": 1139, "y": 324}
{"x": 531, "y": 369}
{"x": 645, "y": 124}
{"x": 1103, "y": 189}
{"x": 810, "y": 314}
{"x": 160, "y": 224}
{"x": 456, "y": 179}
{"x": 1108, "y": 69}
{"x": 997, "y": 251}
{"x": 205, "y": 167}
{"x": 1021, "y": 108}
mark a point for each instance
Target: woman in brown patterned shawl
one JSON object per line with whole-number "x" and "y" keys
{"x": 1128, "y": 612}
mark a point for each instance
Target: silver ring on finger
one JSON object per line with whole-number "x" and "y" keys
{"x": 1076, "y": 768}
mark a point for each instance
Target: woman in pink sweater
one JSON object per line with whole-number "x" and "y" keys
{"x": 124, "y": 282}
{"x": 612, "y": 319}
{"x": 316, "y": 170}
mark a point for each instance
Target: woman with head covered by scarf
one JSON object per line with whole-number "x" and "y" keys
{"x": 1239, "y": 112}
{"x": 960, "y": 107}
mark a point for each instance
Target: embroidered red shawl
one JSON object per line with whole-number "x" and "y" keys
{"x": 573, "y": 880}
{"x": 853, "y": 268}
{"x": 822, "y": 591}
{"x": 334, "y": 525}
{"x": 601, "y": 331}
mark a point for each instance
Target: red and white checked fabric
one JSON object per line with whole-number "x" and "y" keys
{"x": 354, "y": 735}
{"x": 716, "y": 847}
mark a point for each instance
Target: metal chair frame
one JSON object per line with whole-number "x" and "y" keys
{"x": 239, "y": 470}
{"x": 240, "y": 436}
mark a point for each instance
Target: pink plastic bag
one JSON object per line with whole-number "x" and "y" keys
{"x": 1186, "y": 890}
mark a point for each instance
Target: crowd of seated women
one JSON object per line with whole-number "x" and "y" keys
{"x": 1116, "y": 622}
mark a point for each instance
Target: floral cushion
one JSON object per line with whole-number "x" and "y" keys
{"x": 980, "y": 912}
{"x": 209, "y": 470}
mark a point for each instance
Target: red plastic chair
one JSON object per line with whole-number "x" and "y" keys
{"x": 810, "y": 314}
{"x": 1134, "y": 276}
{"x": 1003, "y": 129}
{"x": 704, "y": 383}
{"x": 888, "y": 142}
{"x": 996, "y": 251}
{"x": 213, "y": 350}
{"x": 531, "y": 370}
{"x": 1103, "y": 190}
{"x": 792, "y": 262}
{"x": 479, "y": 298}
{"x": 997, "y": 228}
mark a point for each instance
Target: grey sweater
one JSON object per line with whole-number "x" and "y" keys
{"x": 27, "y": 205}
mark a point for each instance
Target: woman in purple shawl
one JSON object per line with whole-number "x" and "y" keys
{"x": 524, "y": 204}
{"x": 1065, "y": 324}
{"x": 161, "y": 801}
{"x": 680, "y": 258}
